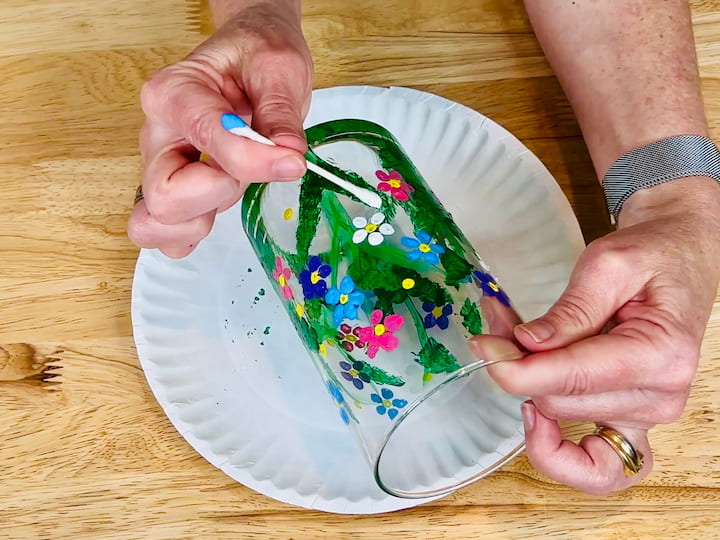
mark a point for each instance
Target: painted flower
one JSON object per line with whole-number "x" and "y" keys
{"x": 354, "y": 373}
{"x": 313, "y": 277}
{"x": 339, "y": 400}
{"x": 437, "y": 315}
{"x": 281, "y": 274}
{"x": 374, "y": 230}
{"x": 391, "y": 182}
{"x": 490, "y": 287}
{"x": 345, "y": 299}
{"x": 380, "y": 334}
{"x": 348, "y": 338}
{"x": 422, "y": 248}
{"x": 388, "y": 403}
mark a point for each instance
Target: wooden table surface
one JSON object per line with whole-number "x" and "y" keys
{"x": 85, "y": 451}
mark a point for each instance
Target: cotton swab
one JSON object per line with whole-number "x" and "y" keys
{"x": 235, "y": 124}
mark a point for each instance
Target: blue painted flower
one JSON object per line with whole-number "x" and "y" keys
{"x": 313, "y": 277}
{"x": 388, "y": 403}
{"x": 354, "y": 373}
{"x": 437, "y": 315}
{"x": 490, "y": 287}
{"x": 339, "y": 400}
{"x": 422, "y": 248}
{"x": 345, "y": 299}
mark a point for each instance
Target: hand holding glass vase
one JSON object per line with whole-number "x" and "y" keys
{"x": 385, "y": 301}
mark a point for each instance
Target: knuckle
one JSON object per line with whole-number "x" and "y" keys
{"x": 154, "y": 93}
{"x": 680, "y": 367}
{"x": 137, "y": 231}
{"x": 576, "y": 382}
{"x": 160, "y": 206}
{"x": 201, "y": 129}
{"x": 203, "y": 226}
{"x": 669, "y": 411}
{"x": 576, "y": 310}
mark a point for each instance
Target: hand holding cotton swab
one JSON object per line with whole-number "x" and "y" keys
{"x": 236, "y": 125}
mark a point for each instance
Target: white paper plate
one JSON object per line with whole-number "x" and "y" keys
{"x": 223, "y": 360}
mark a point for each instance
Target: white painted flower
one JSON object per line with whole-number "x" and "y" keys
{"x": 375, "y": 230}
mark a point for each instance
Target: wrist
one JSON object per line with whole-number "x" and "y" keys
{"x": 225, "y": 10}
{"x": 694, "y": 195}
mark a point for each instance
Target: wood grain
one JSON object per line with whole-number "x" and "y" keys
{"x": 85, "y": 451}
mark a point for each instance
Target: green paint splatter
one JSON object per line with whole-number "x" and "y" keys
{"x": 261, "y": 292}
{"x": 266, "y": 331}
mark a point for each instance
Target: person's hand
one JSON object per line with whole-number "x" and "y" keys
{"x": 257, "y": 66}
{"x": 649, "y": 286}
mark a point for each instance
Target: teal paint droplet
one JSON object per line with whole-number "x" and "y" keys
{"x": 249, "y": 270}
{"x": 261, "y": 292}
{"x": 266, "y": 331}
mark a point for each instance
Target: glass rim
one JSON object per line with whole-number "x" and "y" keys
{"x": 462, "y": 372}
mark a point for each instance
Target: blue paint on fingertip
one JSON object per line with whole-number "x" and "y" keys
{"x": 232, "y": 121}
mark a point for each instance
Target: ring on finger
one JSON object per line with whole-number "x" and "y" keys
{"x": 138, "y": 195}
{"x": 632, "y": 459}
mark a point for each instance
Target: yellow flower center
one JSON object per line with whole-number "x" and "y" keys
{"x": 344, "y": 298}
{"x": 299, "y": 310}
{"x": 353, "y": 373}
{"x": 322, "y": 349}
{"x": 387, "y": 403}
{"x": 394, "y": 183}
{"x": 493, "y": 286}
{"x": 425, "y": 248}
{"x": 437, "y": 311}
{"x": 379, "y": 329}
{"x": 371, "y": 227}
{"x": 288, "y": 214}
{"x": 282, "y": 281}
{"x": 351, "y": 338}
{"x": 314, "y": 277}
{"x": 408, "y": 283}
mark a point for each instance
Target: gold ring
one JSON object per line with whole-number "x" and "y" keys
{"x": 632, "y": 459}
{"x": 138, "y": 195}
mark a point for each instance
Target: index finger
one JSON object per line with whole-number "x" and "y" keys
{"x": 598, "y": 364}
{"x": 192, "y": 109}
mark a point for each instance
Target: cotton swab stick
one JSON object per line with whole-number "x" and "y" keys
{"x": 235, "y": 124}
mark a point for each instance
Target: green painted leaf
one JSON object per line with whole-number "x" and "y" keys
{"x": 471, "y": 317}
{"x": 381, "y": 376}
{"x": 309, "y": 213}
{"x": 456, "y": 268}
{"x": 435, "y": 358}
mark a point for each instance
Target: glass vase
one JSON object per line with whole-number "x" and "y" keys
{"x": 385, "y": 301}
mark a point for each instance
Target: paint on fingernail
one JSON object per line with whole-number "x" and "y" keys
{"x": 528, "y": 416}
{"x": 289, "y": 168}
{"x": 539, "y": 331}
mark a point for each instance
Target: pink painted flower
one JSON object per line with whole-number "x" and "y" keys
{"x": 282, "y": 276}
{"x": 392, "y": 182}
{"x": 380, "y": 334}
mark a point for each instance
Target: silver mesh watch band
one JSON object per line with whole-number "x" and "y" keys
{"x": 658, "y": 162}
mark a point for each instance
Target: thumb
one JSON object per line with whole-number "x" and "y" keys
{"x": 280, "y": 99}
{"x": 596, "y": 291}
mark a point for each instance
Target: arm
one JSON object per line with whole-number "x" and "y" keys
{"x": 629, "y": 70}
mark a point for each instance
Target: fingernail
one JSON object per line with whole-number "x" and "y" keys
{"x": 289, "y": 168}
{"x": 528, "y": 415}
{"x": 538, "y": 330}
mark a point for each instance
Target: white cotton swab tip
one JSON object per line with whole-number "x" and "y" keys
{"x": 236, "y": 125}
